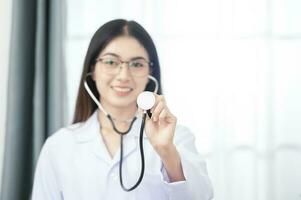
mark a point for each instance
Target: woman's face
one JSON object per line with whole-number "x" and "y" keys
{"x": 121, "y": 88}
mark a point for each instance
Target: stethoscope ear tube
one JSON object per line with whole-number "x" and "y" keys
{"x": 156, "y": 83}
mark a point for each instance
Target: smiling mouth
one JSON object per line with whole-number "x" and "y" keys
{"x": 121, "y": 91}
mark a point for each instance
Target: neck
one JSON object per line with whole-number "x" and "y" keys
{"x": 119, "y": 115}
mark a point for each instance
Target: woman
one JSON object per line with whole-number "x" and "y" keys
{"x": 82, "y": 161}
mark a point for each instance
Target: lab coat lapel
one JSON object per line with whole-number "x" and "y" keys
{"x": 100, "y": 150}
{"x": 129, "y": 146}
{"x": 130, "y": 143}
{"x": 89, "y": 134}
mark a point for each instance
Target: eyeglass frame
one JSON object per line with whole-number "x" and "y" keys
{"x": 127, "y": 62}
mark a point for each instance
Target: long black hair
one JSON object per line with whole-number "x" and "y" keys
{"x": 85, "y": 106}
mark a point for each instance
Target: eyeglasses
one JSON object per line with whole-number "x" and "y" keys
{"x": 112, "y": 65}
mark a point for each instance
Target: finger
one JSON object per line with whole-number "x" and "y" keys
{"x": 170, "y": 118}
{"x": 163, "y": 114}
{"x": 167, "y": 116}
{"x": 157, "y": 111}
{"x": 159, "y": 98}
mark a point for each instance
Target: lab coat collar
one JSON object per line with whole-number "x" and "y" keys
{"x": 90, "y": 129}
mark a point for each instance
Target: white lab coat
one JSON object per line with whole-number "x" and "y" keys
{"x": 74, "y": 164}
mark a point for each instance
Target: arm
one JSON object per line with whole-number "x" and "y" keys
{"x": 196, "y": 184}
{"x": 172, "y": 163}
{"x": 184, "y": 173}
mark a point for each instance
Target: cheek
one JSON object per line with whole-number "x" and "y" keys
{"x": 102, "y": 82}
{"x": 142, "y": 84}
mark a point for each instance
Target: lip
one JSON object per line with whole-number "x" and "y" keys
{"x": 121, "y": 86}
{"x": 122, "y": 90}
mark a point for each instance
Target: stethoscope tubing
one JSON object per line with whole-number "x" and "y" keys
{"x": 142, "y": 159}
{"x": 124, "y": 133}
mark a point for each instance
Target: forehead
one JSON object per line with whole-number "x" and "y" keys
{"x": 125, "y": 47}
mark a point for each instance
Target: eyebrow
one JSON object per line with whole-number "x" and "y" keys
{"x": 116, "y": 55}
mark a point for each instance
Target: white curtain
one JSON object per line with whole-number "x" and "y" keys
{"x": 231, "y": 72}
{"x": 5, "y": 27}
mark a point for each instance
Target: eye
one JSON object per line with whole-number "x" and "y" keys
{"x": 110, "y": 62}
{"x": 136, "y": 64}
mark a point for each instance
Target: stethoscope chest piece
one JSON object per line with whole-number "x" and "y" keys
{"x": 146, "y": 100}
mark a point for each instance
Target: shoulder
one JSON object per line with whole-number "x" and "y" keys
{"x": 64, "y": 134}
{"x": 63, "y": 138}
{"x": 78, "y": 132}
{"x": 62, "y": 146}
{"x": 183, "y": 134}
{"x": 185, "y": 142}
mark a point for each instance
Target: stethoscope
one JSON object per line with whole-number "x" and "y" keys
{"x": 146, "y": 100}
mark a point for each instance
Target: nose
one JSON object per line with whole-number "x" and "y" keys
{"x": 124, "y": 72}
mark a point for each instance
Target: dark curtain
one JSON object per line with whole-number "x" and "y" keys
{"x": 36, "y": 90}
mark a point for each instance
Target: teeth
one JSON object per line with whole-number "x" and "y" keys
{"x": 122, "y": 89}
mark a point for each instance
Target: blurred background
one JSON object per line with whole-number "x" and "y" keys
{"x": 231, "y": 72}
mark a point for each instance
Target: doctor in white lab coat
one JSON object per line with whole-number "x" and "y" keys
{"x": 81, "y": 161}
